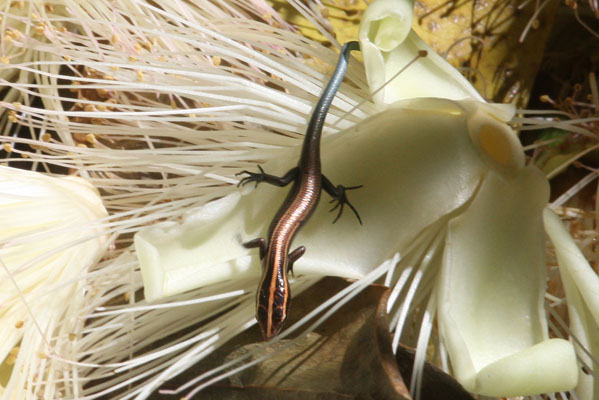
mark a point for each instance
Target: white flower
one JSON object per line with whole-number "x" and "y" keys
{"x": 200, "y": 91}
{"x": 50, "y": 237}
{"x": 388, "y": 44}
{"x": 443, "y": 173}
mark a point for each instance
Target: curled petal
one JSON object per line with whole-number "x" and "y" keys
{"x": 206, "y": 248}
{"x": 388, "y": 44}
{"x": 491, "y": 292}
{"x": 497, "y": 144}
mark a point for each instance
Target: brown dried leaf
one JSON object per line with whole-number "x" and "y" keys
{"x": 349, "y": 357}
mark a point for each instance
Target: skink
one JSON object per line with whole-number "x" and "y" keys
{"x": 272, "y": 302}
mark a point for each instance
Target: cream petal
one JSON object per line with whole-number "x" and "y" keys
{"x": 581, "y": 284}
{"x": 206, "y": 248}
{"x": 546, "y": 367}
{"x": 384, "y": 27}
{"x": 495, "y": 141}
{"x": 412, "y": 176}
{"x": 388, "y": 44}
{"x": 491, "y": 290}
{"x": 573, "y": 262}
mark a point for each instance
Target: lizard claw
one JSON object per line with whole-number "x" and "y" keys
{"x": 342, "y": 200}
{"x": 252, "y": 177}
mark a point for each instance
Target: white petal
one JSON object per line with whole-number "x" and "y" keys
{"x": 581, "y": 284}
{"x": 573, "y": 262}
{"x": 388, "y": 44}
{"x": 413, "y": 174}
{"x": 491, "y": 292}
{"x": 496, "y": 142}
{"x": 206, "y": 248}
{"x": 546, "y": 367}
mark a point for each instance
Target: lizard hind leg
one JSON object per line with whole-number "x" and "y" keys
{"x": 338, "y": 194}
